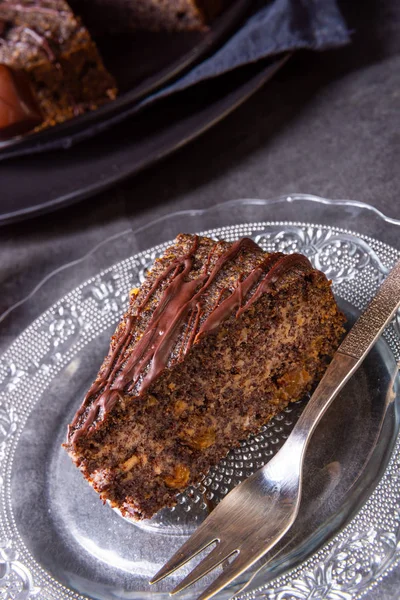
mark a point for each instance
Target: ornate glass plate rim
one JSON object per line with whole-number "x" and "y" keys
{"x": 373, "y": 536}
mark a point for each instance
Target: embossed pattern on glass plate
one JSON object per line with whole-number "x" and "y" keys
{"x": 343, "y": 569}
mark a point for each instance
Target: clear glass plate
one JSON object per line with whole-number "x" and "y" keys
{"x": 57, "y": 539}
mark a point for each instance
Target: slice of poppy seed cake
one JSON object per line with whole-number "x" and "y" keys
{"x": 219, "y": 338}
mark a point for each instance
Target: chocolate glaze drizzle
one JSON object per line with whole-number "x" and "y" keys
{"x": 34, "y": 8}
{"x": 42, "y": 42}
{"x": 180, "y": 299}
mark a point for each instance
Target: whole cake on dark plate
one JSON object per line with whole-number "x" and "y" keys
{"x": 50, "y": 67}
{"x": 218, "y": 339}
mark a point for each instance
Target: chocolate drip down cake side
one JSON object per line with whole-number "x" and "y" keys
{"x": 218, "y": 339}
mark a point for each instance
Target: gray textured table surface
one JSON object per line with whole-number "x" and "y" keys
{"x": 328, "y": 125}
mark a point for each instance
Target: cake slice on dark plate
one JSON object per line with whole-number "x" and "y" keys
{"x": 218, "y": 339}
{"x": 50, "y": 63}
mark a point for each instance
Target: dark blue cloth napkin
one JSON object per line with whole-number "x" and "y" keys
{"x": 273, "y": 27}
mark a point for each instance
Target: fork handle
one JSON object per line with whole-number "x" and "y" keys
{"x": 350, "y": 355}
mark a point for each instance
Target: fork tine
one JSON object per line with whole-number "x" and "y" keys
{"x": 198, "y": 541}
{"x": 242, "y": 562}
{"x": 210, "y": 562}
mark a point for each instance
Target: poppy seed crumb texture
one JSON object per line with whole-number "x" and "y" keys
{"x": 219, "y": 338}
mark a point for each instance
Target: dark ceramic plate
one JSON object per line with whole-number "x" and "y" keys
{"x": 141, "y": 63}
{"x": 38, "y": 183}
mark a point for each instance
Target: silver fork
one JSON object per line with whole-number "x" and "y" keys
{"x": 256, "y": 514}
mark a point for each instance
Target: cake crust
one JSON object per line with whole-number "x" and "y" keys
{"x": 219, "y": 338}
